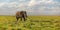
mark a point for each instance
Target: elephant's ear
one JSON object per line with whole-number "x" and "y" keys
{"x": 17, "y": 13}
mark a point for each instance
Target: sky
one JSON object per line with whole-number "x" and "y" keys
{"x": 33, "y": 7}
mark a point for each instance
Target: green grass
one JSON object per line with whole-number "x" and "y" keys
{"x": 32, "y": 23}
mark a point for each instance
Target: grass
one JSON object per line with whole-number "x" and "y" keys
{"x": 32, "y": 23}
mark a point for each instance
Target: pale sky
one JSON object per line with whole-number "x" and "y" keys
{"x": 33, "y": 7}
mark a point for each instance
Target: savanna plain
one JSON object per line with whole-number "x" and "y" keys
{"x": 32, "y": 23}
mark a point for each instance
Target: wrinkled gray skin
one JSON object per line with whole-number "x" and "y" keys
{"x": 21, "y": 14}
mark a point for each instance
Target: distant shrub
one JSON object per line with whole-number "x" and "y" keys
{"x": 19, "y": 29}
{"x": 3, "y": 28}
{"x": 12, "y": 29}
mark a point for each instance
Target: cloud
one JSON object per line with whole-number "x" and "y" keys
{"x": 1, "y": 4}
{"x": 34, "y": 2}
{"x": 33, "y": 7}
{"x": 45, "y": 7}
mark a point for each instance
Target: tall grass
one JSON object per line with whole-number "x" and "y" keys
{"x": 32, "y": 23}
